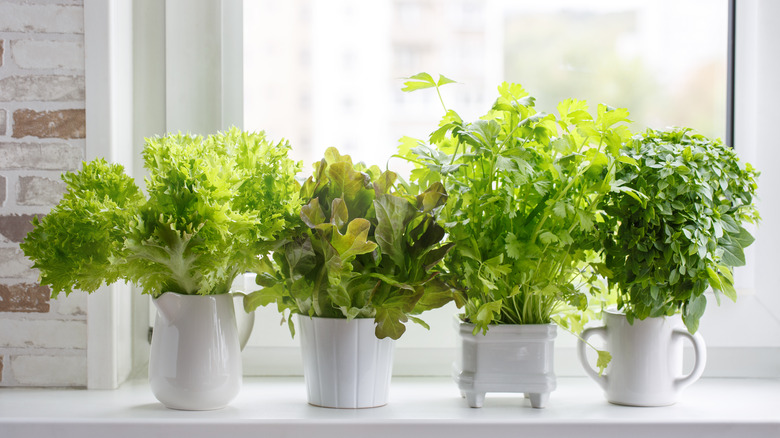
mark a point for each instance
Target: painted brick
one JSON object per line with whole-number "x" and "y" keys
{"x": 74, "y": 304}
{"x": 16, "y": 17}
{"x": 37, "y": 54}
{"x": 43, "y": 333}
{"x": 2, "y": 120}
{"x": 49, "y": 124}
{"x": 36, "y": 190}
{"x": 16, "y": 226}
{"x": 13, "y": 264}
{"x": 2, "y": 190}
{"x": 53, "y": 88}
{"x": 67, "y": 371}
{"x": 24, "y": 297}
{"x": 40, "y": 156}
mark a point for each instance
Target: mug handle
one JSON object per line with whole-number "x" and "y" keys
{"x": 700, "y": 350}
{"x": 244, "y": 321}
{"x": 586, "y": 334}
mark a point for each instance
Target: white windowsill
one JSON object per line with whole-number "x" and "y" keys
{"x": 424, "y": 407}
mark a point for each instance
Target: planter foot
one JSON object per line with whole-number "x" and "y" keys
{"x": 475, "y": 399}
{"x": 539, "y": 400}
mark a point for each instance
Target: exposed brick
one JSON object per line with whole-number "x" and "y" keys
{"x": 24, "y": 297}
{"x": 43, "y": 54}
{"x": 36, "y": 190}
{"x": 13, "y": 264}
{"x": 1, "y": 368}
{"x": 2, "y": 190}
{"x": 16, "y": 226}
{"x": 37, "y": 156}
{"x": 49, "y": 124}
{"x": 1, "y": 60}
{"x": 18, "y": 17}
{"x": 2, "y": 117}
{"x": 43, "y": 333}
{"x": 54, "y": 88}
{"x": 73, "y": 304}
{"x": 49, "y": 370}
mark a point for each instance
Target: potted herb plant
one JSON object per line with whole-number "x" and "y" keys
{"x": 524, "y": 202}
{"x": 211, "y": 206}
{"x": 678, "y": 231}
{"x": 362, "y": 260}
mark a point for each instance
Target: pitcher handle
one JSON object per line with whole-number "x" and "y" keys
{"x": 245, "y": 322}
{"x": 700, "y": 351}
{"x": 581, "y": 346}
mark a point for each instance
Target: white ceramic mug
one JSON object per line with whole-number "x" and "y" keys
{"x": 647, "y": 359}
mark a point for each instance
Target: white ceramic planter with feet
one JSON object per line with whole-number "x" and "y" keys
{"x": 508, "y": 358}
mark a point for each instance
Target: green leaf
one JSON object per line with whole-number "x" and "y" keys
{"x": 419, "y": 82}
{"x": 604, "y": 358}
{"x": 393, "y": 214}
{"x": 262, "y": 297}
{"x": 390, "y": 323}
{"x": 444, "y": 81}
{"x": 693, "y": 311}
{"x": 733, "y": 255}
{"x": 513, "y": 247}
{"x": 354, "y": 241}
{"x": 435, "y": 196}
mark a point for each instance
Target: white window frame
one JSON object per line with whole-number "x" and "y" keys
{"x": 743, "y": 337}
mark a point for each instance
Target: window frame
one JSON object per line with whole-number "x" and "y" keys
{"x": 117, "y": 329}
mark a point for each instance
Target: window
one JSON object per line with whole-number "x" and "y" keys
{"x": 664, "y": 60}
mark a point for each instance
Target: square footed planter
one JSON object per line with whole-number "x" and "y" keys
{"x": 508, "y": 358}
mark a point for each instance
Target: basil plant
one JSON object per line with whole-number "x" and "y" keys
{"x": 680, "y": 229}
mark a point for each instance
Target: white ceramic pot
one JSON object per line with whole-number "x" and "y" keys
{"x": 647, "y": 359}
{"x": 508, "y": 358}
{"x": 344, "y": 364}
{"x": 195, "y": 358}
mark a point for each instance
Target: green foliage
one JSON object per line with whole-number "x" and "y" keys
{"x": 212, "y": 206}
{"x": 675, "y": 224}
{"x": 362, "y": 248}
{"x": 524, "y": 192}
{"x": 74, "y": 244}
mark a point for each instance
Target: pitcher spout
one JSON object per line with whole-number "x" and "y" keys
{"x": 168, "y": 306}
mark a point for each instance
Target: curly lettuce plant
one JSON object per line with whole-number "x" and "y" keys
{"x": 212, "y": 205}
{"x": 525, "y": 189}
{"x": 362, "y": 248}
{"x": 680, "y": 229}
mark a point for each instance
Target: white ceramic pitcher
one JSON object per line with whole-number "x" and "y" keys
{"x": 647, "y": 359}
{"x": 195, "y": 358}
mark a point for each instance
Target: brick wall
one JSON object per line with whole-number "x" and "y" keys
{"x": 42, "y": 130}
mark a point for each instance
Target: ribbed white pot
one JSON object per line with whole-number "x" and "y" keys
{"x": 508, "y": 358}
{"x": 344, "y": 364}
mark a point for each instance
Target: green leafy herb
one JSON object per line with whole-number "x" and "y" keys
{"x": 525, "y": 189}
{"x": 212, "y": 206}
{"x": 675, "y": 224}
{"x": 361, "y": 249}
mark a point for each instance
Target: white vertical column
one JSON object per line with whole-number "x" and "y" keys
{"x": 109, "y": 122}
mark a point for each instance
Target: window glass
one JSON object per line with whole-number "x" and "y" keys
{"x": 329, "y": 73}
